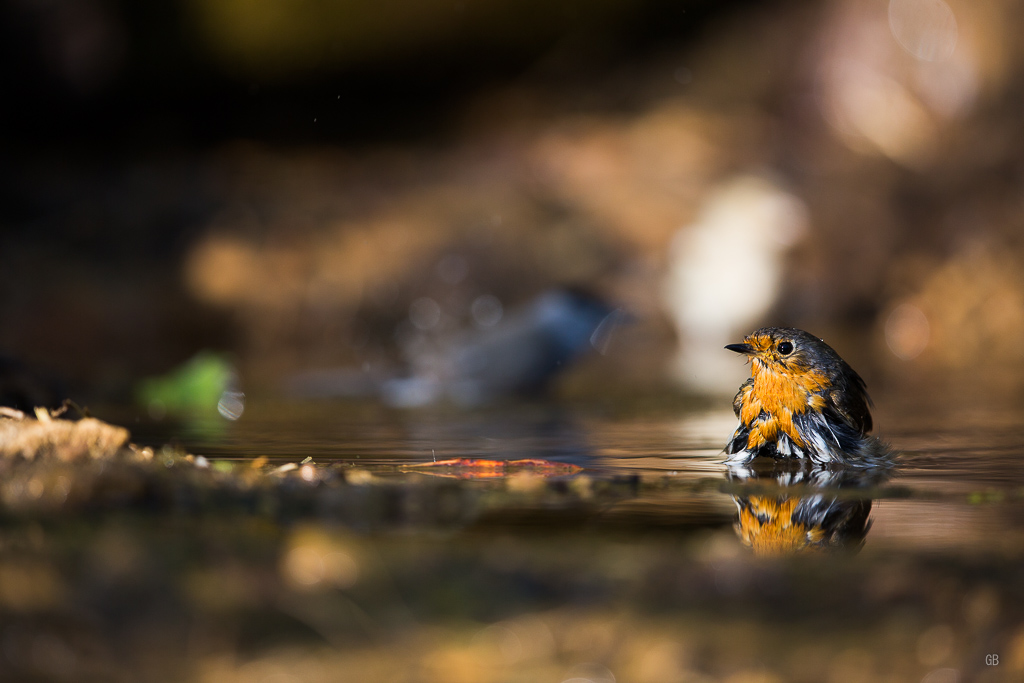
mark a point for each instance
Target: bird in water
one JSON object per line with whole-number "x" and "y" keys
{"x": 801, "y": 401}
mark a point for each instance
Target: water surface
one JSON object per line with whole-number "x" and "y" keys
{"x": 653, "y": 563}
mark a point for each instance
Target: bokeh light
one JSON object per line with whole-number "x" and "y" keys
{"x": 926, "y": 29}
{"x": 907, "y": 331}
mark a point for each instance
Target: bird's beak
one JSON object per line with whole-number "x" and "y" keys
{"x": 741, "y": 348}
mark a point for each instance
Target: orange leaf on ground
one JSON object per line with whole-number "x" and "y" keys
{"x": 479, "y": 468}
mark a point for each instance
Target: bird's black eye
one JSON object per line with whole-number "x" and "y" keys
{"x": 785, "y": 348}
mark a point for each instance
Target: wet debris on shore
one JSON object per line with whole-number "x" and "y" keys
{"x": 64, "y": 440}
{"x": 51, "y": 467}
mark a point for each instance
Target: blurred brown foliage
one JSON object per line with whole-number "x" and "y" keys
{"x": 897, "y": 125}
{"x": 886, "y": 149}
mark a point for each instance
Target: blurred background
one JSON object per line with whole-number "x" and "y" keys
{"x": 222, "y": 202}
{"x": 307, "y": 185}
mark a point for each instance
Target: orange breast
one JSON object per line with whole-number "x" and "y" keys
{"x": 782, "y": 395}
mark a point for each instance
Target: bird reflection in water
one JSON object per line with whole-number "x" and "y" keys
{"x": 785, "y": 507}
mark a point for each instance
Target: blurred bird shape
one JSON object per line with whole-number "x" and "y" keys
{"x": 801, "y": 401}
{"x": 518, "y": 357}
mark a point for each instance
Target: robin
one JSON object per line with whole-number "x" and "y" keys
{"x": 801, "y": 401}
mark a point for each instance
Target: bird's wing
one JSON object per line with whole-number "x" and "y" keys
{"x": 850, "y": 401}
{"x": 737, "y": 402}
